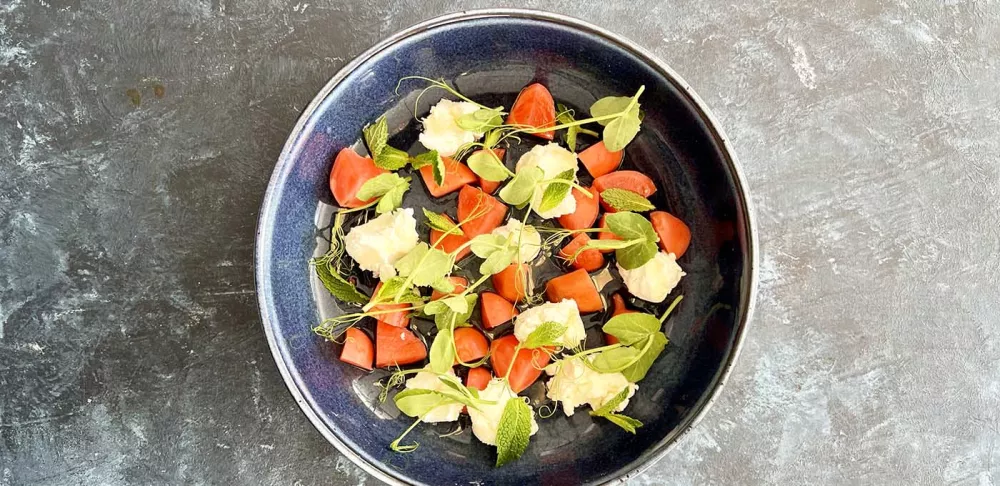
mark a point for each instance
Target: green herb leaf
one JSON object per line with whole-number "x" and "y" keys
{"x": 608, "y": 106}
{"x": 613, "y": 360}
{"x": 424, "y": 265}
{"x": 338, "y": 286}
{"x": 556, "y": 191}
{"x": 547, "y": 334}
{"x": 440, "y": 170}
{"x": 481, "y": 120}
{"x": 636, "y": 255}
{"x": 442, "y": 352}
{"x": 394, "y": 198}
{"x": 622, "y": 130}
{"x": 624, "y": 421}
{"x": 376, "y": 136}
{"x": 443, "y": 285}
{"x": 379, "y": 185}
{"x": 492, "y": 138}
{"x": 485, "y": 245}
{"x": 610, "y": 406}
{"x": 639, "y": 369}
{"x": 459, "y": 305}
{"x": 631, "y": 226}
{"x": 632, "y": 327}
{"x": 487, "y": 165}
{"x": 441, "y": 223}
{"x": 513, "y": 431}
{"x": 497, "y": 261}
{"x": 416, "y": 402}
{"x": 434, "y": 308}
{"x": 626, "y": 200}
{"x": 444, "y": 318}
{"x": 424, "y": 159}
{"x": 610, "y": 244}
{"x": 520, "y": 189}
{"x": 565, "y": 116}
{"x": 391, "y": 158}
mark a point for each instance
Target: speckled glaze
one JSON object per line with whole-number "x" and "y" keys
{"x": 493, "y": 54}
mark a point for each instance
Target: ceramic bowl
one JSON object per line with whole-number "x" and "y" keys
{"x": 490, "y": 55}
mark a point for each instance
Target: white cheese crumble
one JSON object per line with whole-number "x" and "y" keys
{"x": 655, "y": 279}
{"x": 441, "y": 130}
{"x": 379, "y": 243}
{"x": 553, "y": 160}
{"x": 565, "y": 312}
{"x": 574, "y": 383}
{"x": 430, "y": 381}
{"x": 531, "y": 241}
{"x": 486, "y": 420}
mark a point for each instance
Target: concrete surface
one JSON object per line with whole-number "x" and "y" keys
{"x": 130, "y": 350}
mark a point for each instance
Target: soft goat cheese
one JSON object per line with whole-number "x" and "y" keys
{"x": 531, "y": 241}
{"x": 565, "y": 312}
{"x": 655, "y": 279}
{"x": 574, "y": 383}
{"x": 430, "y": 381}
{"x": 486, "y": 420}
{"x": 553, "y": 160}
{"x": 379, "y": 243}
{"x": 441, "y": 130}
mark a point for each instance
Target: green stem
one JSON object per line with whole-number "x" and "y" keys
{"x": 671, "y": 308}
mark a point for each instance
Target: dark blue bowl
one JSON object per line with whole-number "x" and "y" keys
{"x": 491, "y": 55}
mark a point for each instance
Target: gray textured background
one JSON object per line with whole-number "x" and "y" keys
{"x": 130, "y": 348}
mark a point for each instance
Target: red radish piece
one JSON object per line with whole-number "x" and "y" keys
{"x": 534, "y": 107}
{"x": 350, "y": 172}
{"x": 512, "y": 282}
{"x": 358, "y": 349}
{"x": 478, "y": 378}
{"x": 491, "y": 186}
{"x": 488, "y": 210}
{"x": 470, "y": 344}
{"x": 397, "y": 346}
{"x": 495, "y": 310}
{"x": 456, "y": 175}
{"x": 586, "y": 210}
{"x": 450, "y": 242}
{"x": 599, "y": 160}
{"x": 589, "y": 259}
{"x": 675, "y": 236}
{"x": 398, "y": 319}
{"x": 578, "y": 286}
{"x": 527, "y": 365}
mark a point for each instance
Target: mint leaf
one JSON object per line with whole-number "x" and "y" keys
{"x": 547, "y": 334}
{"x": 376, "y": 136}
{"x": 632, "y": 327}
{"x": 441, "y": 223}
{"x": 556, "y": 190}
{"x": 624, "y": 421}
{"x": 564, "y": 116}
{"x": 513, "y": 431}
{"x": 520, "y": 189}
{"x": 442, "y": 352}
{"x": 340, "y": 288}
{"x": 626, "y": 200}
{"x": 610, "y": 406}
{"x": 440, "y": 170}
{"x": 391, "y": 158}
{"x": 424, "y": 159}
{"x": 481, "y": 120}
{"x": 609, "y": 105}
{"x": 487, "y": 165}
{"x": 639, "y": 369}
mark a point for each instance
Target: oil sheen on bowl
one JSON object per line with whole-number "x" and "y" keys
{"x": 491, "y": 55}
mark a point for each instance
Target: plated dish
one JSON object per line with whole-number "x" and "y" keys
{"x": 486, "y": 252}
{"x": 489, "y": 57}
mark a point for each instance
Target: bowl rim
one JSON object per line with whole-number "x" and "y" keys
{"x": 262, "y": 246}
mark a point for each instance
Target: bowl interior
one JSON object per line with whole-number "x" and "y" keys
{"x": 491, "y": 58}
